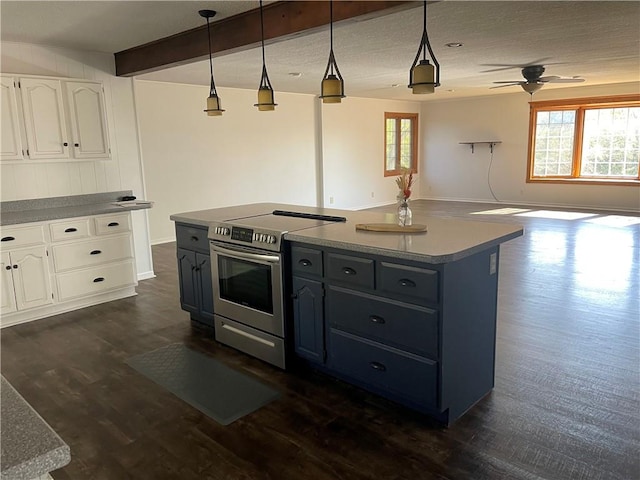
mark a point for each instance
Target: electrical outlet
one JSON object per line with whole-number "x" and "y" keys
{"x": 330, "y": 200}
{"x": 372, "y": 194}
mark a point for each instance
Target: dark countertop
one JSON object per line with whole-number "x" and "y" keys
{"x": 53, "y": 208}
{"x": 30, "y": 447}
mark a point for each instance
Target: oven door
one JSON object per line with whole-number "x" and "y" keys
{"x": 248, "y": 286}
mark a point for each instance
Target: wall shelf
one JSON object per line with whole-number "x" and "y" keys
{"x": 473, "y": 144}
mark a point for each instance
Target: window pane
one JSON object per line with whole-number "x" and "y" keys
{"x": 610, "y": 142}
{"x": 391, "y": 144}
{"x": 405, "y": 143}
{"x": 554, "y": 143}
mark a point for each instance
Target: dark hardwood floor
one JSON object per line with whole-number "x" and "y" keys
{"x": 566, "y": 404}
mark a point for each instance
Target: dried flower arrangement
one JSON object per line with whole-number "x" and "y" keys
{"x": 404, "y": 182}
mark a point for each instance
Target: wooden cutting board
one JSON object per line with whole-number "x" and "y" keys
{"x": 391, "y": 227}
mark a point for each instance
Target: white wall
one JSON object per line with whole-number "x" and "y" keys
{"x": 195, "y": 162}
{"x": 451, "y": 171}
{"x": 51, "y": 179}
{"x": 353, "y": 152}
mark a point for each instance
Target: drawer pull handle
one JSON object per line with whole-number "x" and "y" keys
{"x": 70, "y": 230}
{"x": 378, "y": 366}
{"x": 95, "y": 252}
{"x": 194, "y": 238}
{"x": 405, "y": 282}
{"x": 348, "y": 271}
{"x": 98, "y": 280}
{"x": 376, "y": 319}
{"x": 8, "y": 239}
{"x": 113, "y": 224}
{"x": 304, "y": 262}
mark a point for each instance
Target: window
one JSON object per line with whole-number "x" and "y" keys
{"x": 594, "y": 140}
{"x": 400, "y": 143}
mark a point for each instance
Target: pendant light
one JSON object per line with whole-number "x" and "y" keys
{"x": 332, "y": 87}
{"x": 214, "y": 108}
{"x": 423, "y": 76}
{"x": 265, "y": 91}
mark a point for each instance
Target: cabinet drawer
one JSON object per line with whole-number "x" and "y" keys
{"x": 398, "y": 373}
{"x": 108, "y": 224}
{"x": 407, "y": 327}
{"x": 192, "y": 238}
{"x": 92, "y": 252}
{"x": 411, "y": 283}
{"x": 306, "y": 260}
{"x": 95, "y": 280}
{"x": 19, "y": 236}
{"x": 350, "y": 270}
{"x": 69, "y": 229}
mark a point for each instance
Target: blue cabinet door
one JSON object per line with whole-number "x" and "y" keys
{"x": 205, "y": 288}
{"x": 308, "y": 319}
{"x": 186, "y": 273}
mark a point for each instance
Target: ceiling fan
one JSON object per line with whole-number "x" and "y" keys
{"x": 534, "y": 79}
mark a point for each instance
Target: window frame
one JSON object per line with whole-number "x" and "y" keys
{"x": 398, "y": 116}
{"x": 580, "y": 105}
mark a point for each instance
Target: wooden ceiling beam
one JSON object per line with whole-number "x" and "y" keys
{"x": 282, "y": 21}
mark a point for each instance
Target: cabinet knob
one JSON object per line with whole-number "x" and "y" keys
{"x": 377, "y": 319}
{"x": 15, "y": 267}
{"x": 348, "y": 271}
{"x": 65, "y": 144}
{"x": 76, "y": 144}
{"x": 95, "y": 252}
{"x": 194, "y": 238}
{"x": 405, "y": 282}
{"x": 304, "y": 262}
{"x": 113, "y": 224}
{"x": 70, "y": 230}
{"x": 98, "y": 280}
{"x": 8, "y": 267}
{"x": 377, "y": 366}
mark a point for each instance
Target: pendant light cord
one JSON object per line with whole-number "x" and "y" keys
{"x": 331, "y": 30}
{"x": 424, "y": 29}
{"x": 262, "y": 33}
{"x": 213, "y": 85}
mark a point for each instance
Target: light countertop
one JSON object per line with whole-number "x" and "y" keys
{"x": 446, "y": 239}
{"x": 43, "y": 209}
{"x": 30, "y": 447}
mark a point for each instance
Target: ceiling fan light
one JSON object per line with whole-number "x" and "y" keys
{"x": 531, "y": 87}
{"x": 332, "y": 90}
{"x": 422, "y": 78}
{"x": 265, "y": 99}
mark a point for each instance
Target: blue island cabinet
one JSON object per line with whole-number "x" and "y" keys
{"x": 417, "y": 333}
{"x": 194, "y": 273}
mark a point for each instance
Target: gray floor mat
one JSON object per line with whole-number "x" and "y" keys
{"x": 220, "y": 392}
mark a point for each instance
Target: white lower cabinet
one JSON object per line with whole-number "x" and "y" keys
{"x": 63, "y": 265}
{"x": 25, "y": 279}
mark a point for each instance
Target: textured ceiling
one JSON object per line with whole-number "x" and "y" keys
{"x": 599, "y": 41}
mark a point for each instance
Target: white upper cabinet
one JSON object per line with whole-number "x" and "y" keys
{"x": 45, "y": 123}
{"x": 88, "y": 120}
{"x": 53, "y": 119}
{"x": 10, "y": 143}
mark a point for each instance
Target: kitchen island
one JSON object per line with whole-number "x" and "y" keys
{"x": 411, "y": 317}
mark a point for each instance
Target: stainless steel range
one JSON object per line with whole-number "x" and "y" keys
{"x": 247, "y": 270}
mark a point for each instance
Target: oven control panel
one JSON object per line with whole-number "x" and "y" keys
{"x": 243, "y": 235}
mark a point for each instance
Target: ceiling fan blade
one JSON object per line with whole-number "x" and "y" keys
{"x": 548, "y": 78}
{"x": 514, "y": 82}
{"x": 507, "y": 66}
{"x": 566, "y": 80}
{"x": 507, "y": 85}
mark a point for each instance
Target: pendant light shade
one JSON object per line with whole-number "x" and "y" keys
{"x": 214, "y": 108}
{"x": 424, "y": 76}
{"x": 265, "y": 91}
{"x": 332, "y": 87}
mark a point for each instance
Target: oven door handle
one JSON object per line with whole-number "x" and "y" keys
{"x": 246, "y": 255}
